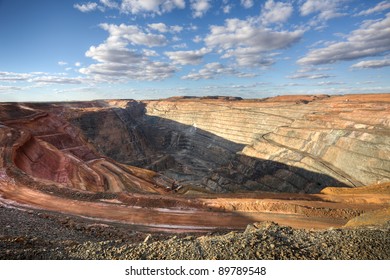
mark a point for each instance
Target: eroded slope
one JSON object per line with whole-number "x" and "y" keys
{"x": 284, "y": 144}
{"x": 155, "y": 164}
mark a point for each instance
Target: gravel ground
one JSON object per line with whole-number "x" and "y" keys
{"x": 27, "y": 234}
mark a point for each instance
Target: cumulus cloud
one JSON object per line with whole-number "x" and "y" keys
{"x": 380, "y": 7}
{"x": 180, "y": 46}
{"x": 150, "y": 6}
{"x": 237, "y": 33}
{"x": 87, "y": 7}
{"x": 200, "y": 7}
{"x": 108, "y": 52}
{"x": 372, "y": 64}
{"x": 117, "y": 62}
{"x": 274, "y": 12}
{"x": 149, "y": 52}
{"x": 197, "y": 39}
{"x": 226, "y": 9}
{"x": 176, "y": 28}
{"x": 187, "y": 57}
{"x": 117, "y": 72}
{"x": 133, "y": 6}
{"x": 372, "y": 38}
{"x": 161, "y": 27}
{"x": 247, "y": 3}
{"x": 247, "y": 42}
{"x": 326, "y": 9}
{"x": 249, "y": 57}
{"x": 215, "y": 70}
{"x": 62, "y": 63}
{"x": 110, "y": 4}
{"x": 133, "y": 34}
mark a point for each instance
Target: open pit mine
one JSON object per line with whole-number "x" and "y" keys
{"x": 288, "y": 177}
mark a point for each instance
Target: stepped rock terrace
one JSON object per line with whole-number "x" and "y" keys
{"x": 201, "y": 164}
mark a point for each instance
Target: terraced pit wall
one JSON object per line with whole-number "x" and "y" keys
{"x": 282, "y": 144}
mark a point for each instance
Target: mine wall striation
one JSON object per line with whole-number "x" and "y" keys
{"x": 279, "y": 145}
{"x": 190, "y": 164}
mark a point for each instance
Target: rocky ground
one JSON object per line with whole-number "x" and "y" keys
{"x": 26, "y": 234}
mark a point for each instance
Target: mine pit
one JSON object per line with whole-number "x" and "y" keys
{"x": 185, "y": 165}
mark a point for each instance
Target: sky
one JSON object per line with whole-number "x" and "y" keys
{"x": 147, "y": 49}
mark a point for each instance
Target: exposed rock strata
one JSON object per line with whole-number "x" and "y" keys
{"x": 319, "y": 141}
{"x": 154, "y": 164}
{"x": 285, "y": 144}
{"x": 47, "y": 148}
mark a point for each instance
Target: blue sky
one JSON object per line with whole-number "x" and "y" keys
{"x": 143, "y": 49}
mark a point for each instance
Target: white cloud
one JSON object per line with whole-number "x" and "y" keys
{"x": 175, "y": 39}
{"x": 149, "y": 52}
{"x": 247, "y": 42}
{"x": 9, "y": 88}
{"x": 180, "y": 46}
{"x": 247, "y": 3}
{"x": 380, "y": 7}
{"x": 133, "y": 34}
{"x": 14, "y": 77}
{"x": 313, "y": 69}
{"x": 62, "y": 63}
{"x": 226, "y": 9}
{"x": 87, "y": 7}
{"x": 197, "y": 39}
{"x": 77, "y": 64}
{"x": 150, "y": 6}
{"x": 312, "y": 76}
{"x": 366, "y": 83}
{"x": 249, "y": 57}
{"x": 326, "y": 9}
{"x": 56, "y": 80}
{"x": 244, "y": 33}
{"x": 200, "y": 7}
{"x": 118, "y": 63}
{"x": 188, "y": 57}
{"x": 40, "y": 78}
{"x": 273, "y": 12}
{"x": 143, "y": 70}
{"x": 372, "y": 64}
{"x": 109, "y": 4}
{"x": 133, "y": 6}
{"x": 330, "y": 83}
{"x": 372, "y": 38}
{"x": 192, "y": 27}
{"x": 215, "y": 70}
{"x": 176, "y": 28}
{"x": 161, "y": 27}
{"x": 111, "y": 53}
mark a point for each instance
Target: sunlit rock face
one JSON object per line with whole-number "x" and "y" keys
{"x": 281, "y": 144}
